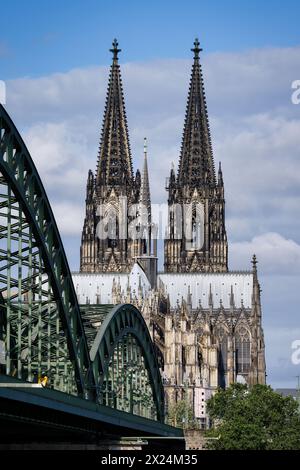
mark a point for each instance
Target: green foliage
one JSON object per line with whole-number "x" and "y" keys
{"x": 256, "y": 418}
{"x": 180, "y": 415}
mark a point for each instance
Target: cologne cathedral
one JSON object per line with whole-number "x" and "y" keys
{"x": 205, "y": 320}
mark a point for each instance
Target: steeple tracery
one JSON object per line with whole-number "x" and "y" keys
{"x": 114, "y": 166}
{"x": 196, "y": 165}
{"x": 196, "y": 183}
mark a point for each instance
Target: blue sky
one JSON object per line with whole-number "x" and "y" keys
{"x": 54, "y": 59}
{"x": 44, "y": 36}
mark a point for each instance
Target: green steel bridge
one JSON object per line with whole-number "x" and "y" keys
{"x": 103, "y": 379}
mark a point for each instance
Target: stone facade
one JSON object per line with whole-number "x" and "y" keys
{"x": 196, "y": 193}
{"x": 194, "y": 439}
{"x": 113, "y": 194}
{"x": 205, "y": 321}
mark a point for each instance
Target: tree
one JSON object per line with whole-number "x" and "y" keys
{"x": 254, "y": 418}
{"x": 180, "y": 415}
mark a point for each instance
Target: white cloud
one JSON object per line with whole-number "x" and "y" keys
{"x": 61, "y": 153}
{"x": 276, "y": 254}
{"x": 251, "y": 82}
{"x": 69, "y": 217}
{"x": 255, "y": 128}
{"x": 261, "y": 150}
{"x": 58, "y": 96}
{"x": 281, "y": 372}
{"x": 255, "y": 132}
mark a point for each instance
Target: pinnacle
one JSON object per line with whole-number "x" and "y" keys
{"x": 196, "y": 49}
{"x": 114, "y": 162}
{"x": 196, "y": 134}
{"x": 115, "y": 49}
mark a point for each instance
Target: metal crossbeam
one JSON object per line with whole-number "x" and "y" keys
{"x": 41, "y": 328}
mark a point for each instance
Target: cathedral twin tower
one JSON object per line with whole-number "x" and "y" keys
{"x": 205, "y": 321}
{"x": 117, "y": 200}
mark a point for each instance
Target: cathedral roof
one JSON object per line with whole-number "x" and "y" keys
{"x": 204, "y": 288}
{"x": 97, "y": 287}
{"x": 209, "y": 286}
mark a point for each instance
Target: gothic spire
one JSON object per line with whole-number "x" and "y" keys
{"x": 114, "y": 166}
{"x": 196, "y": 166}
{"x": 220, "y": 175}
{"x": 90, "y": 187}
{"x": 145, "y": 197}
{"x": 256, "y": 289}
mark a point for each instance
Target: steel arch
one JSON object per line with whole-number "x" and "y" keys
{"x": 123, "y": 320}
{"x": 18, "y": 169}
{"x": 26, "y": 190}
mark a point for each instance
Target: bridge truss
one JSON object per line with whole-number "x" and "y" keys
{"x": 41, "y": 327}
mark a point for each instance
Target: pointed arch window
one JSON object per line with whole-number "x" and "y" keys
{"x": 222, "y": 340}
{"x": 197, "y": 226}
{"x": 112, "y": 227}
{"x": 194, "y": 224}
{"x": 242, "y": 351}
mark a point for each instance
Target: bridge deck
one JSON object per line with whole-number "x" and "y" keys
{"x": 36, "y": 414}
